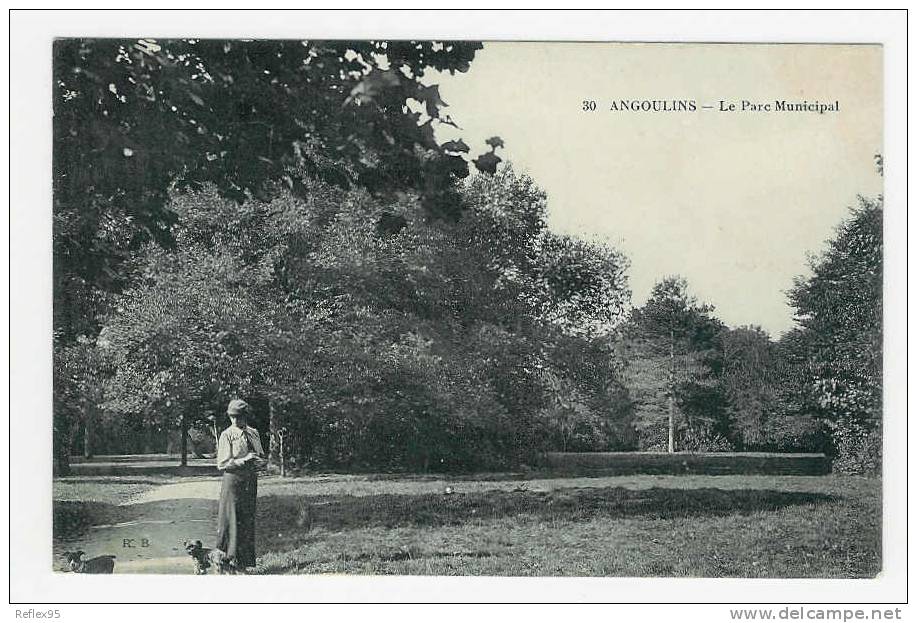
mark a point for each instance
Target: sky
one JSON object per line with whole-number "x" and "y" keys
{"x": 732, "y": 201}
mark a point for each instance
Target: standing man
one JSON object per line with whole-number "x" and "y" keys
{"x": 239, "y": 455}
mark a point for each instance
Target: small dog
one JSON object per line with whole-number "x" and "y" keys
{"x": 221, "y": 561}
{"x": 99, "y": 564}
{"x": 200, "y": 555}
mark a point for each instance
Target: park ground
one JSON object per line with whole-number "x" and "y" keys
{"x": 659, "y": 525}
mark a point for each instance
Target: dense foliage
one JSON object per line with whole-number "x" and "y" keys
{"x": 134, "y": 120}
{"x": 671, "y": 350}
{"x": 839, "y": 341}
{"x": 276, "y": 220}
{"x": 696, "y": 384}
{"x": 439, "y": 346}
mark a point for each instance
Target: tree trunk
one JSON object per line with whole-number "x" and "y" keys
{"x": 89, "y": 431}
{"x": 147, "y": 438}
{"x": 672, "y": 392}
{"x": 216, "y": 436}
{"x": 61, "y": 452}
{"x": 273, "y": 454}
{"x": 184, "y": 440}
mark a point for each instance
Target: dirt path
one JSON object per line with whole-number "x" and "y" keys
{"x": 151, "y": 528}
{"x": 201, "y": 489}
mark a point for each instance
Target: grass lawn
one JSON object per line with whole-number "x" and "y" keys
{"x": 713, "y": 526}
{"x": 81, "y": 501}
{"x": 106, "y": 489}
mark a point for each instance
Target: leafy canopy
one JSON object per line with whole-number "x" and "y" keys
{"x": 135, "y": 119}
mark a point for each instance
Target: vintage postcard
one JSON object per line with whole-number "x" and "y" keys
{"x": 467, "y": 307}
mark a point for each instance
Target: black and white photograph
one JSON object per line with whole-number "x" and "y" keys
{"x": 464, "y": 306}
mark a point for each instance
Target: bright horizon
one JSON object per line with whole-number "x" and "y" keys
{"x": 732, "y": 202}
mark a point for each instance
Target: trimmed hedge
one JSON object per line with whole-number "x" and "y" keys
{"x": 712, "y": 463}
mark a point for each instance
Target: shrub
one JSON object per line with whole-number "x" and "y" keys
{"x": 858, "y": 448}
{"x": 704, "y": 441}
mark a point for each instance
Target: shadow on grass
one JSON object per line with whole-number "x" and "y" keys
{"x": 73, "y": 520}
{"x": 401, "y": 555}
{"x": 278, "y": 514}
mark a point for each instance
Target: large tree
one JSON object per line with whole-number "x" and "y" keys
{"x": 753, "y": 380}
{"x": 433, "y": 346}
{"x": 671, "y": 344}
{"x": 135, "y": 120}
{"x": 839, "y": 315}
